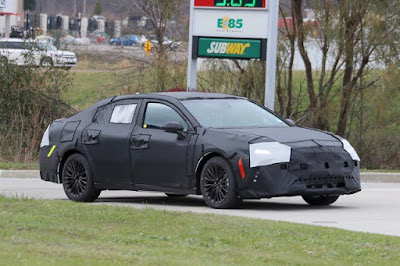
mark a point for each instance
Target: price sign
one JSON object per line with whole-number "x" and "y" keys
{"x": 231, "y": 3}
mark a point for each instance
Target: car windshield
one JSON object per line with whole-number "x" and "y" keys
{"x": 231, "y": 113}
{"x": 46, "y": 46}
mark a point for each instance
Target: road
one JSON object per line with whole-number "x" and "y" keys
{"x": 375, "y": 210}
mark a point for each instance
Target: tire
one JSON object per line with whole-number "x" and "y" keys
{"x": 176, "y": 195}
{"x": 78, "y": 180}
{"x": 218, "y": 185}
{"x": 46, "y": 62}
{"x": 320, "y": 200}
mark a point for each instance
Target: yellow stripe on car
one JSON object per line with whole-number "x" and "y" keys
{"x": 51, "y": 151}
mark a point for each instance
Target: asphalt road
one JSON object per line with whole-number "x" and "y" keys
{"x": 375, "y": 210}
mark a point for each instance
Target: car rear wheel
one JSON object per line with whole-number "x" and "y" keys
{"x": 218, "y": 185}
{"x": 320, "y": 200}
{"x": 78, "y": 180}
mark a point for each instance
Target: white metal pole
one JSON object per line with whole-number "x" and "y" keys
{"x": 272, "y": 52}
{"x": 192, "y": 63}
{"x": 84, "y": 7}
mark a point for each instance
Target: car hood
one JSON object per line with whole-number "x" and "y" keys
{"x": 66, "y": 53}
{"x": 290, "y": 135}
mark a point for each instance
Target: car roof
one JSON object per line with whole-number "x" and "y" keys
{"x": 21, "y": 40}
{"x": 181, "y": 96}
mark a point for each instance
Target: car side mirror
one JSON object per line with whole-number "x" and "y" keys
{"x": 175, "y": 127}
{"x": 291, "y": 122}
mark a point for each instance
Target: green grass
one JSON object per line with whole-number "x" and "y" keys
{"x": 18, "y": 166}
{"x": 90, "y": 87}
{"x": 66, "y": 233}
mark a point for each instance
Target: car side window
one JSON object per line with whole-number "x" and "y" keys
{"x": 3, "y": 45}
{"x": 123, "y": 114}
{"x": 158, "y": 114}
{"x": 16, "y": 45}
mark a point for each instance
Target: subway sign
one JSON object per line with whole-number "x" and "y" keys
{"x": 229, "y": 48}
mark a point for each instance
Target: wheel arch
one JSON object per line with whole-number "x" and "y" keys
{"x": 202, "y": 162}
{"x": 64, "y": 158}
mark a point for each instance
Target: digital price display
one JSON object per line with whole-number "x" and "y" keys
{"x": 230, "y": 3}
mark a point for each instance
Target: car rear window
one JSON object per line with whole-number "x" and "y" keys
{"x": 123, "y": 114}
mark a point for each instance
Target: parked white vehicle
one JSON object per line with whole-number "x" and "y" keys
{"x": 34, "y": 52}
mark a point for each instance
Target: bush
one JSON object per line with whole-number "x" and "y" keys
{"x": 29, "y": 102}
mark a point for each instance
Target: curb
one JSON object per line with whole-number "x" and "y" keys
{"x": 380, "y": 177}
{"x": 19, "y": 174}
{"x": 370, "y": 177}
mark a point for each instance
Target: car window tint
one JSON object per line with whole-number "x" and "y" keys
{"x": 16, "y": 45}
{"x": 3, "y": 45}
{"x": 123, "y": 114}
{"x": 157, "y": 115}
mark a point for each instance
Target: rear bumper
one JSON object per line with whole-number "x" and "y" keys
{"x": 322, "y": 171}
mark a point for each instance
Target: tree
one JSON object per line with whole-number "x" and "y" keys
{"x": 352, "y": 37}
{"x": 98, "y": 8}
{"x": 161, "y": 14}
{"x": 29, "y": 5}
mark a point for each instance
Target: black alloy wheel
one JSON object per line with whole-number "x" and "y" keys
{"x": 218, "y": 184}
{"x": 320, "y": 200}
{"x": 77, "y": 180}
{"x": 46, "y": 62}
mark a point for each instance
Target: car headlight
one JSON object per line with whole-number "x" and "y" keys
{"x": 347, "y": 146}
{"x": 46, "y": 139}
{"x": 268, "y": 153}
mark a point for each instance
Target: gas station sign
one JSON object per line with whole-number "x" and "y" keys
{"x": 235, "y": 29}
{"x": 229, "y": 48}
{"x": 231, "y": 3}
{"x": 230, "y": 23}
{"x": 230, "y": 19}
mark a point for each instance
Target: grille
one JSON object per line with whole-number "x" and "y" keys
{"x": 325, "y": 182}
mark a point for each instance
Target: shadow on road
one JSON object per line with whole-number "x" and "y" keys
{"x": 197, "y": 201}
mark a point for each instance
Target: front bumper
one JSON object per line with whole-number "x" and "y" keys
{"x": 49, "y": 165}
{"x": 311, "y": 171}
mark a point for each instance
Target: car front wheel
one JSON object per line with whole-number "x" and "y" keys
{"x": 78, "y": 180}
{"x": 320, "y": 200}
{"x": 218, "y": 185}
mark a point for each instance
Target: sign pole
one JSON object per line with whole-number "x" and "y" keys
{"x": 192, "y": 63}
{"x": 272, "y": 53}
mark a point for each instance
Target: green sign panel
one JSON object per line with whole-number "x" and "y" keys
{"x": 229, "y": 48}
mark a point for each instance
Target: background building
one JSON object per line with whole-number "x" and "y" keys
{"x": 11, "y": 14}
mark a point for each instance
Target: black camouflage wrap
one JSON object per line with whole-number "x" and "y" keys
{"x": 129, "y": 157}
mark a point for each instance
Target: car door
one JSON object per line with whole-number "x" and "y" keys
{"x": 107, "y": 141}
{"x": 158, "y": 158}
{"x": 15, "y": 51}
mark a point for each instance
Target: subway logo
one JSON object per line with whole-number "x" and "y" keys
{"x": 229, "y": 48}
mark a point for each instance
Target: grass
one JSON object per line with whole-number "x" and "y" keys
{"x": 90, "y": 87}
{"x": 49, "y": 232}
{"x": 18, "y": 166}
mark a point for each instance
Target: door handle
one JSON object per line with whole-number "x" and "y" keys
{"x": 140, "y": 142}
